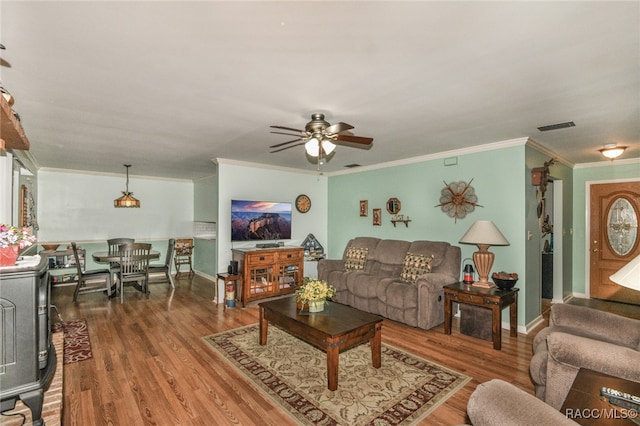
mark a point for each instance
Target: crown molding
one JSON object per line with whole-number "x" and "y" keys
{"x": 92, "y": 173}
{"x": 608, "y": 163}
{"x": 219, "y": 161}
{"x": 543, "y": 149}
{"x": 439, "y": 155}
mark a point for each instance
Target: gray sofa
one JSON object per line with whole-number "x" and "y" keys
{"x": 580, "y": 337}
{"x": 387, "y": 278}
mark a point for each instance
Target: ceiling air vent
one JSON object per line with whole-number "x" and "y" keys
{"x": 557, "y": 126}
{"x": 351, "y": 166}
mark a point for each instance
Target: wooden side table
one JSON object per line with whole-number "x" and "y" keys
{"x": 227, "y": 278}
{"x": 585, "y": 406}
{"x": 492, "y": 298}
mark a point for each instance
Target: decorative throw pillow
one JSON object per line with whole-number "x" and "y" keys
{"x": 415, "y": 265}
{"x": 355, "y": 258}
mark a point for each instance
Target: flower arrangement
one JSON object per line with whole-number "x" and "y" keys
{"x": 314, "y": 290}
{"x": 14, "y": 236}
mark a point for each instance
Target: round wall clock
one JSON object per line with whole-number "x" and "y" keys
{"x": 303, "y": 203}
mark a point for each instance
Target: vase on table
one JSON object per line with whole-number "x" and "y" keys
{"x": 316, "y": 305}
{"x": 8, "y": 255}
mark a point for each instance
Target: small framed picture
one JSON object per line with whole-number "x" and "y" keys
{"x": 364, "y": 208}
{"x": 377, "y": 217}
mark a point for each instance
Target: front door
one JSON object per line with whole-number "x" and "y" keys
{"x": 615, "y": 210}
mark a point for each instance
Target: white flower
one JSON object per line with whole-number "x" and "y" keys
{"x": 14, "y": 236}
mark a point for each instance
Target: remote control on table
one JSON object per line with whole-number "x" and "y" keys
{"x": 621, "y": 399}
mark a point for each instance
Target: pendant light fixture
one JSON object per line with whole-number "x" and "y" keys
{"x": 127, "y": 199}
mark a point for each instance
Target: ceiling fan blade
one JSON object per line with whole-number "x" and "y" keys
{"x": 285, "y": 143}
{"x": 287, "y": 128}
{"x": 288, "y": 134}
{"x": 338, "y": 127}
{"x": 354, "y": 139}
{"x": 287, "y": 147}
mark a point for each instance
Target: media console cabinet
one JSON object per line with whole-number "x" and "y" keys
{"x": 268, "y": 272}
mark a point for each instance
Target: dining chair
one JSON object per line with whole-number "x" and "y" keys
{"x": 134, "y": 266}
{"x": 184, "y": 250}
{"x": 94, "y": 275}
{"x": 114, "y": 246}
{"x": 165, "y": 268}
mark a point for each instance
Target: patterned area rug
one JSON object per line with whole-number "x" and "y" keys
{"x": 77, "y": 346}
{"x": 294, "y": 374}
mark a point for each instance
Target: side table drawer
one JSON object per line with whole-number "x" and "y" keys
{"x": 468, "y": 298}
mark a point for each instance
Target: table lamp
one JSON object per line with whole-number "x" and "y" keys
{"x": 628, "y": 275}
{"x": 484, "y": 233}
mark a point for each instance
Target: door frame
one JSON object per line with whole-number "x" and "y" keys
{"x": 558, "y": 241}
{"x": 587, "y": 231}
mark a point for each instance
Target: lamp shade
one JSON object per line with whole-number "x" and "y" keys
{"x": 484, "y": 232}
{"x": 328, "y": 147}
{"x": 312, "y": 147}
{"x": 127, "y": 200}
{"x": 628, "y": 275}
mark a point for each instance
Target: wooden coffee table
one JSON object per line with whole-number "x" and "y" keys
{"x": 336, "y": 329}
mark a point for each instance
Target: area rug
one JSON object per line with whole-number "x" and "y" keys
{"x": 77, "y": 346}
{"x": 293, "y": 374}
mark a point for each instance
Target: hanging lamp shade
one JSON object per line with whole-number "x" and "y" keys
{"x": 127, "y": 200}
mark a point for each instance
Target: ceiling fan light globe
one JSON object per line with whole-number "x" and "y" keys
{"x": 328, "y": 147}
{"x": 312, "y": 147}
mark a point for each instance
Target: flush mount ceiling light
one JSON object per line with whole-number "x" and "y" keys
{"x": 611, "y": 151}
{"x": 127, "y": 200}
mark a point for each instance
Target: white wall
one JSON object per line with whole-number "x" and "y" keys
{"x": 251, "y": 182}
{"x": 79, "y": 206}
{"x": 6, "y": 189}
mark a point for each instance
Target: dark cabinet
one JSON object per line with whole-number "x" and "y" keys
{"x": 547, "y": 275}
{"x": 27, "y": 358}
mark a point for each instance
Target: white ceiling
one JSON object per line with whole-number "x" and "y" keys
{"x": 168, "y": 86}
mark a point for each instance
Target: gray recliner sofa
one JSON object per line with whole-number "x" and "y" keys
{"x": 497, "y": 402}
{"x": 581, "y": 337}
{"x": 387, "y": 278}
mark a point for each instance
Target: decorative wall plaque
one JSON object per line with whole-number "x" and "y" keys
{"x": 457, "y": 199}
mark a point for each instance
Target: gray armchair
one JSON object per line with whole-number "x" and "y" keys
{"x": 497, "y": 402}
{"x": 582, "y": 337}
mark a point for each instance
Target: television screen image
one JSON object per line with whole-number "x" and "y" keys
{"x": 260, "y": 220}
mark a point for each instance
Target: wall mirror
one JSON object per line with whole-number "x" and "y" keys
{"x": 393, "y": 205}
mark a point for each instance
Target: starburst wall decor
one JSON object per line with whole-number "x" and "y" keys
{"x": 457, "y": 199}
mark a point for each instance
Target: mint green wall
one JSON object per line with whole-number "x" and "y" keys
{"x": 205, "y": 259}
{"x": 499, "y": 177}
{"x": 595, "y": 173}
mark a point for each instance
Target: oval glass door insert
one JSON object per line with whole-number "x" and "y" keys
{"x": 622, "y": 226}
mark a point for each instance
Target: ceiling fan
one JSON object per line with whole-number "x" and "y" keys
{"x": 320, "y": 138}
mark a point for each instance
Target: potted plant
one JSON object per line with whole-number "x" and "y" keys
{"x": 13, "y": 239}
{"x": 314, "y": 293}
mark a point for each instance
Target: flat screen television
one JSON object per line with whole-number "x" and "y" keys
{"x": 260, "y": 220}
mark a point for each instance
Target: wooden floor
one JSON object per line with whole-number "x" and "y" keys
{"x": 151, "y": 367}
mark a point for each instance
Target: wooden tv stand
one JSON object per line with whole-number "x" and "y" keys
{"x": 268, "y": 272}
